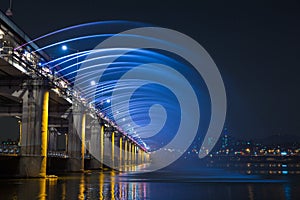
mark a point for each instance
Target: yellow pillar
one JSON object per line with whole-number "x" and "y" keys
{"x": 137, "y": 155}
{"x": 129, "y": 154}
{"x": 133, "y": 154}
{"x": 113, "y": 149}
{"x": 102, "y": 145}
{"x": 120, "y": 152}
{"x": 44, "y": 134}
{"x": 82, "y": 141}
{"x": 125, "y": 152}
{"x": 66, "y": 144}
{"x": 20, "y": 132}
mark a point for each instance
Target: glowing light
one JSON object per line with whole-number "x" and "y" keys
{"x": 93, "y": 83}
{"x": 69, "y": 100}
{"x": 107, "y": 100}
{"x": 283, "y": 153}
{"x": 64, "y": 47}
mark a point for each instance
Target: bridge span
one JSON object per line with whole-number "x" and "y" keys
{"x": 46, "y": 107}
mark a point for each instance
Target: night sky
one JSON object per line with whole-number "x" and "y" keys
{"x": 255, "y": 45}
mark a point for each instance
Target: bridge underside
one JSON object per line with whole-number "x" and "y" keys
{"x": 44, "y": 116}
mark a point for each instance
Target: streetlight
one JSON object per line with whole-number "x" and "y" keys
{"x": 9, "y": 10}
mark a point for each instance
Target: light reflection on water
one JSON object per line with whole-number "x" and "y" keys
{"x": 160, "y": 185}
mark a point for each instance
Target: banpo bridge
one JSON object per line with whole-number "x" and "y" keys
{"x": 47, "y": 106}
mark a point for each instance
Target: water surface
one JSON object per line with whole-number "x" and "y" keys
{"x": 209, "y": 184}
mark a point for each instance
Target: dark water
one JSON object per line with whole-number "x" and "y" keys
{"x": 160, "y": 185}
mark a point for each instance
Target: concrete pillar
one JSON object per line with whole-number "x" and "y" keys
{"x": 107, "y": 147}
{"x": 94, "y": 147}
{"x": 142, "y": 156}
{"x": 147, "y": 155}
{"x": 135, "y": 154}
{"x": 138, "y": 156}
{"x": 34, "y": 143}
{"x": 130, "y": 154}
{"x": 76, "y": 139}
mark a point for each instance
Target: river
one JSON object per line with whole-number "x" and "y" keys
{"x": 199, "y": 184}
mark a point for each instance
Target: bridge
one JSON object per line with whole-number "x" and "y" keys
{"x": 47, "y": 107}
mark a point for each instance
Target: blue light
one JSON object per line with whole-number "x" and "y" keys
{"x": 112, "y": 63}
{"x": 285, "y": 172}
{"x": 284, "y": 165}
{"x": 64, "y": 47}
{"x": 283, "y": 153}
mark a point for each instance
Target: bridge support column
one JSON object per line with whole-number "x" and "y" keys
{"x": 102, "y": 145}
{"x": 76, "y": 140}
{"x": 138, "y": 157}
{"x": 33, "y": 159}
{"x": 141, "y": 156}
{"x": 82, "y": 152}
{"x": 120, "y": 152}
{"x": 107, "y": 147}
{"x": 130, "y": 153}
{"x": 134, "y": 154}
{"x": 113, "y": 149}
{"x": 95, "y": 145}
{"x": 126, "y": 152}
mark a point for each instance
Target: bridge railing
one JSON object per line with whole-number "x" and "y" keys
{"x": 58, "y": 154}
{"x": 11, "y": 150}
